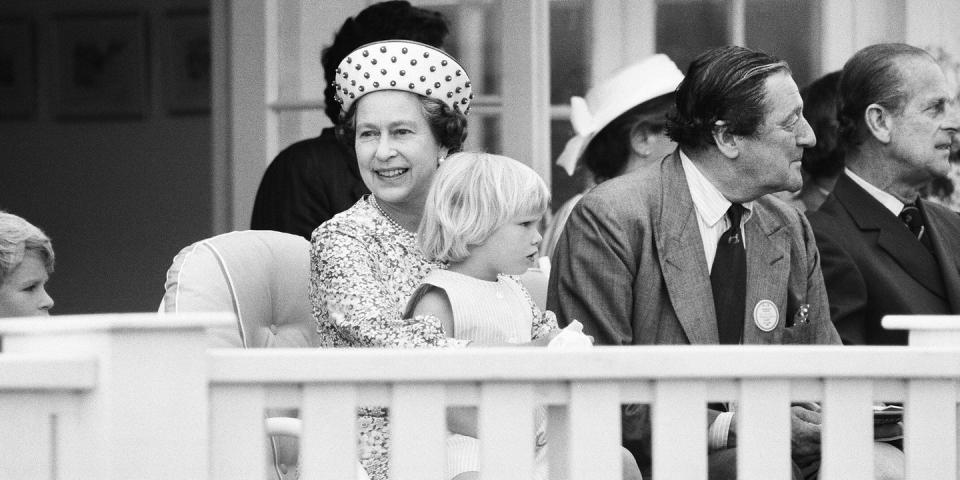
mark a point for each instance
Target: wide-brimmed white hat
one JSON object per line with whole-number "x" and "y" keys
{"x": 403, "y": 65}
{"x": 628, "y": 87}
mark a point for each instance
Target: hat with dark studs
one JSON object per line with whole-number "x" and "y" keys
{"x": 403, "y": 65}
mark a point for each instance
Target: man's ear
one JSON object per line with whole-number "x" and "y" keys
{"x": 878, "y": 122}
{"x": 727, "y": 143}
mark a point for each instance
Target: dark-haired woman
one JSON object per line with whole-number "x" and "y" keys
{"x": 620, "y": 126}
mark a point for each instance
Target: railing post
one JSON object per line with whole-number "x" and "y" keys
{"x": 927, "y": 330}
{"x": 931, "y": 331}
{"x": 148, "y": 416}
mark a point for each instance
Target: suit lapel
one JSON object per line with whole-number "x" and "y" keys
{"x": 891, "y": 235}
{"x": 944, "y": 235}
{"x": 682, "y": 259}
{"x": 767, "y": 273}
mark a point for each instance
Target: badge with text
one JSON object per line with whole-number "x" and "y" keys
{"x": 766, "y": 315}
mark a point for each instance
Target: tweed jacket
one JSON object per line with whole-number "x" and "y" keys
{"x": 630, "y": 266}
{"x": 873, "y": 266}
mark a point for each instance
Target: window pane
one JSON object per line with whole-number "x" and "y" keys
{"x": 568, "y": 50}
{"x": 477, "y": 27}
{"x": 485, "y": 130}
{"x": 569, "y": 21}
{"x": 493, "y": 33}
{"x": 783, "y": 28}
{"x": 685, "y": 29}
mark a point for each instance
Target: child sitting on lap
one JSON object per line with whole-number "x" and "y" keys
{"x": 481, "y": 219}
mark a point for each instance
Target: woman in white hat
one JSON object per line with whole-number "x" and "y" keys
{"x": 405, "y": 106}
{"x": 619, "y": 126}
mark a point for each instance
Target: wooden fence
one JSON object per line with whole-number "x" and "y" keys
{"x": 140, "y": 396}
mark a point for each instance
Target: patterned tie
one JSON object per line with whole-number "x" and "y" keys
{"x": 913, "y": 219}
{"x": 910, "y": 215}
{"x": 728, "y": 279}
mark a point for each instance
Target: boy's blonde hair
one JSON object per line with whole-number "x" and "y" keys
{"x": 17, "y": 237}
{"x": 472, "y": 195}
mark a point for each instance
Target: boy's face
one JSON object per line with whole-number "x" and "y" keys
{"x": 23, "y": 293}
{"x": 512, "y": 248}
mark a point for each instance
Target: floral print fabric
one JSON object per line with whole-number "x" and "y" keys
{"x": 363, "y": 270}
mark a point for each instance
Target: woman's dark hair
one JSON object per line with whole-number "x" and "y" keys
{"x": 871, "y": 76}
{"x": 381, "y": 21}
{"x": 820, "y": 105}
{"x": 449, "y": 126}
{"x": 722, "y": 84}
{"x": 608, "y": 152}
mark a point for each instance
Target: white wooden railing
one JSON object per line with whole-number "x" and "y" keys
{"x": 139, "y": 396}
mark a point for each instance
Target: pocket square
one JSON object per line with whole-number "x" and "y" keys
{"x": 802, "y": 316}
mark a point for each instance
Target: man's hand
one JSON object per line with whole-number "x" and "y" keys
{"x": 805, "y": 421}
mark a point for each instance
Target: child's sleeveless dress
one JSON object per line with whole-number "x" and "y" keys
{"x": 495, "y": 313}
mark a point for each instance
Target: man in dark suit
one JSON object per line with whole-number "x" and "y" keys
{"x": 897, "y": 118}
{"x": 693, "y": 250}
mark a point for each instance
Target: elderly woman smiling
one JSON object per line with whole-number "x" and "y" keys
{"x": 405, "y": 107}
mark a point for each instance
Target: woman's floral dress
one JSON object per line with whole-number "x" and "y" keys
{"x": 363, "y": 269}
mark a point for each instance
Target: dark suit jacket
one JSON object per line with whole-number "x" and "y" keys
{"x": 308, "y": 183}
{"x": 630, "y": 266}
{"x": 873, "y": 266}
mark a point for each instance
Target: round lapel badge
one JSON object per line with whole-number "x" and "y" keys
{"x": 766, "y": 315}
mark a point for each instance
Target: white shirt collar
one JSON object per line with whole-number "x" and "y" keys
{"x": 707, "y": 199}
{"x": 889, "y": 201}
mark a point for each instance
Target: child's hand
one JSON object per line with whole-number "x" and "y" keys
{"x": 545, "y": 339}
{"x": 572, "y": 336}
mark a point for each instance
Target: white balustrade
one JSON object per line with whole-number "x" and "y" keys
{"x": 136, "y": 409}
{"x": 926, "y": 330}
{"x": 138, "y": 396}
{"x": 930, "y": 331}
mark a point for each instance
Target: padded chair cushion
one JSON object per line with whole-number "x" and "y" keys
{"x": 260, "y": 275}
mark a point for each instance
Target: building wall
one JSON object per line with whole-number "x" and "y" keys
{"x": 119, "y": 197}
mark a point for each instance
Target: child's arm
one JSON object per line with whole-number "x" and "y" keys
{"x": 434, "y": 301}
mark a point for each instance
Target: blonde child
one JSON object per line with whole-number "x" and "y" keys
{"x": 481, "y": 219}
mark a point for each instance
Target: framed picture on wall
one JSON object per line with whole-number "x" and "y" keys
{"x": 100, "y": 66}
{"x": 18, "y": 75}
{"x": 186, "y": 61}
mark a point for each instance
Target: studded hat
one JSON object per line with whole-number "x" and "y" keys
{"x": 403, "y": 65}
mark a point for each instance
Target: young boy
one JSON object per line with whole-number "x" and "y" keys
{"x": 26, "y": 262}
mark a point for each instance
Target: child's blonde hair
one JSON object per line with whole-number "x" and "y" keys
{"x": 472, "y": 195}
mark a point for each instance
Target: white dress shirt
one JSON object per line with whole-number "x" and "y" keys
{"x": 711, "y": 207}
{"x": 888, "y": 201}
